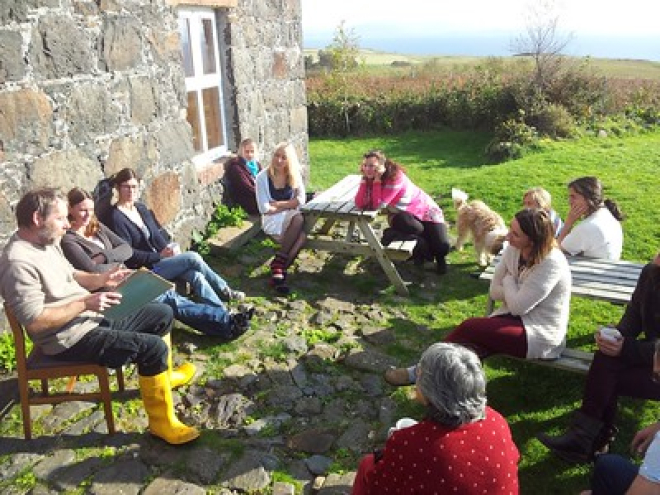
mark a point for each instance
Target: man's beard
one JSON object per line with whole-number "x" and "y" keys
{"x": 48, "y": 236}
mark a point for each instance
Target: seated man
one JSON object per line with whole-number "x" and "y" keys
{"x": 621, "y": 366}
{"x": 52, "y": 301}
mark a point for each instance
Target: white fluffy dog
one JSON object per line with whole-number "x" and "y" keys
{"x": 486, "y": 227}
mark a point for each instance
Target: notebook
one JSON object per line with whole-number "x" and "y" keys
{"x": 139, "y": 288}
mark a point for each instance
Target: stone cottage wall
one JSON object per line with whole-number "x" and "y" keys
{"x": 88, "y": 87}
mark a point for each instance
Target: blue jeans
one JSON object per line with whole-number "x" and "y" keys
{"x": 208, "y": 319}
{"x": 613, "y": 475}
{"x": 135, "y": 339}
{"x": 190, "y": 267}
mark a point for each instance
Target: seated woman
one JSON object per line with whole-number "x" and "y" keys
{"x": 599, "y": 234}
{"x": 533, "y": 281}
{"x": 280, "y": 193}
{"x": 92, "y": 247}
{"x": 622, "y": 366}
{"x": 133, "y": 222}
{"x": 240, "y": 174}
{"x": 461, "y": 446}
{"x": 537, "y": 197}
{"x": 413, "y": 214}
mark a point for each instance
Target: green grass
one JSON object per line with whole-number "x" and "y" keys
{"x": 532, "y": 398}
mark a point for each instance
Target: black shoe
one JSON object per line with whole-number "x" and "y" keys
{"x": 441, "y": 266}
{"x": 240, "y": 322}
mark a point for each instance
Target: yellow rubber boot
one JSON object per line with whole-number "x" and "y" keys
{"x": 163, "y": 423}
{"x": 182, "y": 374}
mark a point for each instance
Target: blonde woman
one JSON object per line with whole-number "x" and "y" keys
{"x": 280, "y": 193}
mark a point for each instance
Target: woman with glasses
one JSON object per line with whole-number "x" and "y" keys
{"x": 280, "y": 193}
{"x": 134, "y": 222}
{"x": 90, "y": 246}
{"x": 413, "y": 215}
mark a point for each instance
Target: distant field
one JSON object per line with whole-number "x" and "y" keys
{"x": 377, "y": 61}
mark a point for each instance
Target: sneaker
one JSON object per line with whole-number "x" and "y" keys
{"x": 230, "y": 294}
{"x": 397, "y": 377}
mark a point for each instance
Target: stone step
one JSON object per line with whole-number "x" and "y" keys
{"x": 231, "y": 238}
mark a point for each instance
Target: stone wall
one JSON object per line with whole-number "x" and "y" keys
{"x": 88, "y": 87}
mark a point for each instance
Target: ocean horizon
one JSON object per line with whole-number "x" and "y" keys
{"x": 499, "y": 45}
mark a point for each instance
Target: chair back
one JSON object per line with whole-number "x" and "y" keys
{"x": 19, "y": 340}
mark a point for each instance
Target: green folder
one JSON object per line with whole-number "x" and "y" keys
{"x": 139, "y": 288}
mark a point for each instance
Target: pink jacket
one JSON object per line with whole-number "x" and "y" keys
{"x": 399, "y": 194}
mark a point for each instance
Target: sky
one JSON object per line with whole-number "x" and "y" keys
{"x": 379, "y": 19}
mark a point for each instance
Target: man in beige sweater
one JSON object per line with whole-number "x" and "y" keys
{"x": 53, "y": 303}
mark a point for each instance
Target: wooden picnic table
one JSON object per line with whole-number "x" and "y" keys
{"x": 336, "y": 205}
{"x": 604, "y": 280}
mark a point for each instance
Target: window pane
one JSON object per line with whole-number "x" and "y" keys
{"x": 211, "y": 98}
{"x": 193, "y": 120}
{"x": 184, "y": 32}
{"x": 207, "y": 46}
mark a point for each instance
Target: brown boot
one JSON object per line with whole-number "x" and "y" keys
{"x": 580, "y": 442}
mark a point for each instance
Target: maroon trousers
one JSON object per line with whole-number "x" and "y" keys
{"x": 608, "y": 378}
{"x": 492, "y": 335}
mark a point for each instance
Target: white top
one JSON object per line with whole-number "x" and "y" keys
{"x": 651, "y": 466}
{"x": 272, "y": 224}
{"x": 540, "y": 296}
{"x": 598, "y": 236}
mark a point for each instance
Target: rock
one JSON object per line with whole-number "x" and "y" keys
{"x": 318, "y": 464}
{"x": 171, "y": 486}
{"x": 315, "y": 441}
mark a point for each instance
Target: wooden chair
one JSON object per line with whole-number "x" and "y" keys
{"x": 39, "y": 366}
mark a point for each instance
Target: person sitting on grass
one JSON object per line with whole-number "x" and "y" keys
{"x": 92, "y": 247}
{"x": 533, "y": 281}
{"x": 537, "y": 197}
{"x": 461, "y": 445}
{"x": 53, "y": 303}
{"x": 599, "y": 234}
{"x": 241, "y": 173}
{"x": 280, "y": 193}
{"x": 133, "y": 222}
{"x": 413, "y": 215}
{"x": 616, "y": 475}
{"x": 621, "y": 366}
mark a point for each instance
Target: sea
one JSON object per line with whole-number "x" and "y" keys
{"x": 500, "y": 45}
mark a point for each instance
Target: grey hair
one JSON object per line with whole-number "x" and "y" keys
{"x": 453, "y": 381}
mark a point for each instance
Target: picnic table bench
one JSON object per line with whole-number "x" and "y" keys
{"x": 599, "y": 279}
{"x": 335, "y": 205}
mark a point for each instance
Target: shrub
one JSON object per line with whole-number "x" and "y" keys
{"x": 554, "y": 121}
{"x": 223, "y": 216}
{"x": 512, "y": 138}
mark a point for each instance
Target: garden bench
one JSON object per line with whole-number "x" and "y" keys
{"x": 602, "y": 280}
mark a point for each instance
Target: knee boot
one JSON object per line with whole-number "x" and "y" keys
{"x": 182, "y": 374}
{"x": 578, "y": 445}
{"x": 157, "y": 398}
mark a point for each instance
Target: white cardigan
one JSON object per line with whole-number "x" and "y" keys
{"x": 540, "y": 296}
{"x": 272, "y": 223}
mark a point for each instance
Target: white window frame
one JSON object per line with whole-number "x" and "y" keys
{"x": 196, "y": 83}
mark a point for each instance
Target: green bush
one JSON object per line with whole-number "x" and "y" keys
{"x": 512, "y": 138}
{"x": 554, "y": 121}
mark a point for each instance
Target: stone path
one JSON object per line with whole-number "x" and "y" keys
{"x": 284, "y": 410}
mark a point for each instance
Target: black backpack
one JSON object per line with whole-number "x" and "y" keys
{"x": 102, "y": 196}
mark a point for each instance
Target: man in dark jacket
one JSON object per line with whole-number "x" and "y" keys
{"x": 623, "y": 365}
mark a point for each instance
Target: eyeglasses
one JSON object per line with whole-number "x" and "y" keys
{"x": 129, "y": 186}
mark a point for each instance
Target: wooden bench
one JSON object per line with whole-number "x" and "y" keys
{"x": 602, "y": 280}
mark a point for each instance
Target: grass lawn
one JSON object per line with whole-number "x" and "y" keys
{"x": 532, "y": 398}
